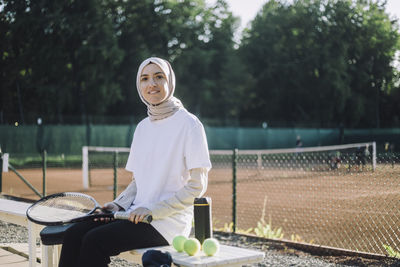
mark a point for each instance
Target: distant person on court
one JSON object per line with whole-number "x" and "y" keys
{"x": 362, "y": 154}
{"x": 299, "y": 143}
{"x": 169, "y": 160}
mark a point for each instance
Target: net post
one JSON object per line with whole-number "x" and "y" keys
{"x": 44, "y": 168}
{"x": 259, "y": 160}
{"x": 115, "y": 173}
{"x": 85, "y": 167}
{"x": 5, "y": 161}
{"x": 3, "y": 167}
{"x": 373, "y": 156}
{"x": 234, "y": 182}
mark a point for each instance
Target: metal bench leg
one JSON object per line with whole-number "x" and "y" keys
{"x": 47, "y": 256}
{"x": 52, "y": 238}
{"x": 32, "y": 233}
{"x": 57, "y": 254}
{"x": 50, "y": 255}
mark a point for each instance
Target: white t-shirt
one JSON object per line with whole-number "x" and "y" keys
{"x": 162, "y": 153}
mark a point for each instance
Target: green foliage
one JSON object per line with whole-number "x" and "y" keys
{"x": 266, "y": 230}
{"x": 71, "y": 50}
{"x": 391, "y": 252}
{"x": 52, "y": 161}
{"x": 297, "y": 238}
{"x": 228, "y": 228}
{"x": 208, "y": 71}
{"x": 322, "y": 62}
{"x": 263, "y": 229}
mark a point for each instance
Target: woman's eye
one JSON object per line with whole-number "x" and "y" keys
{"x": 160, "y": 77}
{"x": 143, "y": 79}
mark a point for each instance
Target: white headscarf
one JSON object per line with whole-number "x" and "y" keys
{"x": 171, "y": 104}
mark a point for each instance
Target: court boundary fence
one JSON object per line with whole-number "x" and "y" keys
{"x": 5, "y": 166}
{"x": 86, "y": 179}
{"x": 243, "y": 162}
{"x": 235, "y": 155}
{"x": 258, "y": 153}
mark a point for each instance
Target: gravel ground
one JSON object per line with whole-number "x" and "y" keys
{"x": 276, "y": 254}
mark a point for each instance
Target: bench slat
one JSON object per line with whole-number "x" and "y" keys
{"x": 14, "y": 207}
{"x": 12, "y": 211}
{"x": 227, "y": 256}
{"x": 15, "y": 212}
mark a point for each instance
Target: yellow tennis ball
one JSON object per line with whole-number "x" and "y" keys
{"x": 210, "y": 246}
{"x": 178, "y": 242}
{"x": 192, "y": 246}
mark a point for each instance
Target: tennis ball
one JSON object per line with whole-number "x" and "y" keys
{"x": 178, "y": 242}
{"x": 192, "y": 246}
{"x": 210, "y": 246}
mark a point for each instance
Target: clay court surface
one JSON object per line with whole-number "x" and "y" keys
{"x": 355, "y": 210}
{"x": 63, "y": 180}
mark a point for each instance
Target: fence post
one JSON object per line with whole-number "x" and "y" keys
{"x": 24, "y": 180}
{"x": 115, "y": 173}
{"x": 373, "y": 156}
{"x": 234, "y": 167}
{"x": 44, "y": 167}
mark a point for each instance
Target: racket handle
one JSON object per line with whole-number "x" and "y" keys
{"x": 123, "y": 215}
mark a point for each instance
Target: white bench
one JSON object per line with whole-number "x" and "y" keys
{"x": 15, "y": 212}
{"x": 227, "y": 256}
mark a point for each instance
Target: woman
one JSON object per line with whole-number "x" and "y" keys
{"x": 170, "y": 162}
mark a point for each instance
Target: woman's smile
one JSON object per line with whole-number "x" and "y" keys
{"x": 153, "y": 84}
{"x": 154, "y": 92}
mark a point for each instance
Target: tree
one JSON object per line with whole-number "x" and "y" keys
{"x": 311, "y": 62}
{"x": 197, "y": 41}
{"x": 375, "y": 41}
{"x": 224, "y": 72}
{"x": 209, "y": 68}
{"x": 62, "y": 54}
{"x": 319, "y": 61}
{"x": 151, "y": 28}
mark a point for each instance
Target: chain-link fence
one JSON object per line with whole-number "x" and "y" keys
{"x": 31, "y": 176}
{"x": 342, "y": 198}
{"x": 101, "y": 164}
{"x": 347, "y": 199}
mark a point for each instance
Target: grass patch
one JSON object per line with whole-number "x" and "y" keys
{"x": 392, "y": 252}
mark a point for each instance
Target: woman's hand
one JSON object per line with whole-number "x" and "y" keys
{"x": 110, "y": 206}
{"x": 139, "y": 214}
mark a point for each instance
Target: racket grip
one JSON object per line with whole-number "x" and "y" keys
{"x": 123, "y": 215}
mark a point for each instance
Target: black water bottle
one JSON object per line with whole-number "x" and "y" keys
{"x": 202, "y": 218}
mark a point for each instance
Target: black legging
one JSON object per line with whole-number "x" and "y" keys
{"x": 92, "y": 243}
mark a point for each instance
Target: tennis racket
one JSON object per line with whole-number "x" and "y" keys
{"x": 70, "y": 207}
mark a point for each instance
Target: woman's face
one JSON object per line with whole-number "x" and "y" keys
{"x": 153, "y": 84}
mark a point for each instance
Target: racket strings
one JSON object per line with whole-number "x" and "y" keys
{"x": 62, "y": 208}
{"x": 70, "y": 203}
